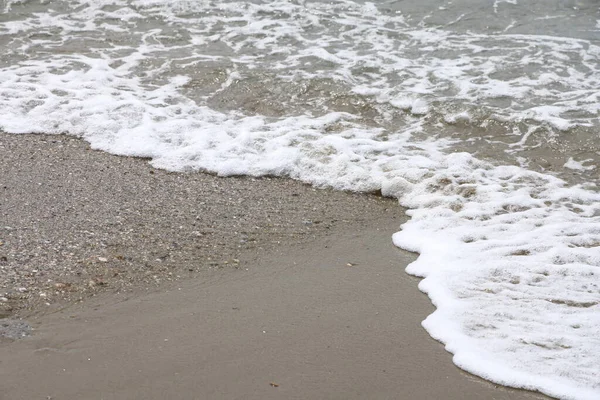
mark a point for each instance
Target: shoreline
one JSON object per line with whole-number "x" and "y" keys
{"x": 76, "y": 222}
{"x": 187, "y": 285}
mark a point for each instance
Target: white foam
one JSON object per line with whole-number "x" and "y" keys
{"x": 579, "y": 166}
{"x": 509, "y": 256}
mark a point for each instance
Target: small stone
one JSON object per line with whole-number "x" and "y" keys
{"x": 103, "y": 259}
{"x": 60, "y": 285}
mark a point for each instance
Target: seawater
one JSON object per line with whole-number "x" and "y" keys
{"x": 481, "y": 117}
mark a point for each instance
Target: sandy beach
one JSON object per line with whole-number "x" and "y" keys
{"x": 144, "y": 284}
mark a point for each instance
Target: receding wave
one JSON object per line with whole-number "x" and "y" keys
{"x": 489, "y": 136}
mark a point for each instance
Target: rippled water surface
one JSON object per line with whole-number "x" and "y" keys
{"x": 515, "y": 82}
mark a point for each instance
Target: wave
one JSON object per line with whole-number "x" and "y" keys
{"x": 364, "y": 98}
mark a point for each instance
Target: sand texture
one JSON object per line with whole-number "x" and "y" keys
{"x": 74, "y": 221}
{"x": 143, "y": 284}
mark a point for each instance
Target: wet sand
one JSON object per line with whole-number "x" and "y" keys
{"x": 74, "y": 222}
{"x": 146, "y": 286}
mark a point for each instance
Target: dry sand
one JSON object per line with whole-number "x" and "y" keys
{"x": 143, "y": 284}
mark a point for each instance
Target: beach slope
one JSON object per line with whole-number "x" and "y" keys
{"x": 306, "y": 297}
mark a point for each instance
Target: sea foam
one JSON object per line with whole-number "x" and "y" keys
{"x": 356, "y": 98}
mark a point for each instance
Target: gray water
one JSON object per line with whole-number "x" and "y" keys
{"x": 500, "y": 63}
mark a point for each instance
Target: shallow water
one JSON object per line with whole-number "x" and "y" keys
{"x": 480, "y": 116}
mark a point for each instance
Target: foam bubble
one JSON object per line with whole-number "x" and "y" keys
{"x": 576, "y": 165}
